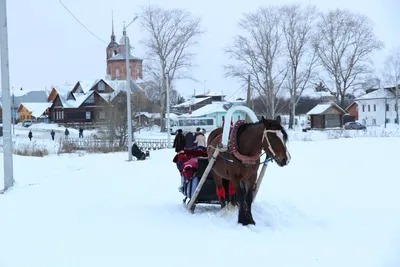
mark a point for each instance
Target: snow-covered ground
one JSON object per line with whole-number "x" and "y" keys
{"x": 335, "y": 204}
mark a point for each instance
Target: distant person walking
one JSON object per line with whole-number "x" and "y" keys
{"x": 66, "y": 133}
{"x": 80, "y": 132}
{"x": 30, "y": 135}
{"x": 52, "y": 133}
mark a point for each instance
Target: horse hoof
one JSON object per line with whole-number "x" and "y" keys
{"x": 231, "y": 207}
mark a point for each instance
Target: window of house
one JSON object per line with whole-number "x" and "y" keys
{"x": 387, "y": 107}
{"x": 369, "y": 108}
{"x": 117, "y": 73}
{"x": 101, "y": 86}
{"x": 374, "y": 107}
{"x": 363, "y": 108}
{"x": 90, "y": 99}
{"x": 373, "y": 121}
{"x": 387, "y": 120}
{"x": 88, "y": 115}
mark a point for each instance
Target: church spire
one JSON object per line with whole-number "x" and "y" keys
{"x": 112, "y": 25}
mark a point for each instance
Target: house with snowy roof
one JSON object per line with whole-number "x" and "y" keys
{"x": 84, "y": 102}
{"x": 198, "y": 101}
{"x": 33, "y": 111}
{"x": 326, "y": 116}
{"x": 217, "y": 110}
{"x": 378, "y": 107}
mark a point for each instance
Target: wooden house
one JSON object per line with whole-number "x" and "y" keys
{"x": 86, "y": 101}
{"x": 327, "y": 115}
{"x": 33, "y": 111}
{"x": 352, "y": 110}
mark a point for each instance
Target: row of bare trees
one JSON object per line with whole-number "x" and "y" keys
{"x": 284, "y": 48}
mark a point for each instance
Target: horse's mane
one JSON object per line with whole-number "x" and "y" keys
{"x": 249, "y": 125}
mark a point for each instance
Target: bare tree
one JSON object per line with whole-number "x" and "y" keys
{"x": 258, "y": 53}
{"x": 116, "y": 118}
{"x": 344, "y": 43}
{"x": 392, "y": 76}
{"x": 171, "y": 34}
{"x": 298, "y": 29}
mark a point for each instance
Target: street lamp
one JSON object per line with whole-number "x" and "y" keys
{"x": 5, "y": 84}
{"x": 128, "y": 89}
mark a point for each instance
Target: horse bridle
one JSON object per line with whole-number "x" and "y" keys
{"x": 279, "y": 134}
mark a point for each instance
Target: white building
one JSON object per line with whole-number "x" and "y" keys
{"x": 377, "y": 107}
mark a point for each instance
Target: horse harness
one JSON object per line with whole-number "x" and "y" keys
{"x": 244, "y": 159}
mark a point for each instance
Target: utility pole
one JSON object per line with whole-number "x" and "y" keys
{"x": 5, "y": 85}
{"x": 168, "y": 115}
{"x": 248, "y": 102}
{"x": 128, "y": 89}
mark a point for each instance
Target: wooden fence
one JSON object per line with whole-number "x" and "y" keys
{"x": 98, "y": 144}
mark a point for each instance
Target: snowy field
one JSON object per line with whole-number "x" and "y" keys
{"x": 335, "y": 204}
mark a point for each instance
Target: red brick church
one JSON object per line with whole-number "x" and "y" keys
{"x": 116, "y": 67}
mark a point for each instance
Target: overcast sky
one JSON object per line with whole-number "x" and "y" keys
{"x": 49, "y": 47}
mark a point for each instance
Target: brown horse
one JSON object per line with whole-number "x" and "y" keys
{"x": 241, "y": 161}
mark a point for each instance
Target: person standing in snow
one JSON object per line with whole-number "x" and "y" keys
{"x": 179, "y": 141}
{"x": 200, "y": 140}
{"x": 189, "y": 140}
{"x": 66, "y": 133}
{"x": 30, "y": 135}
{"x": 80, "y": 132}
{"x": 52, "y": 133}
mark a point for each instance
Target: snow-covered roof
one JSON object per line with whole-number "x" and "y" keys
{"x": 321, "y": 108}
{"x": 190, "y": 102}
{"x": 148, "y": 115}
{"x": 87, "y": 85}
{"x": 37, "y": 109}
{"x": 377, "y": 94}
{"x": 79, "y": 99}
{"x": 208, "y": 109}
{"x": 64, "y": 89}
{"x": 119, "y": 86}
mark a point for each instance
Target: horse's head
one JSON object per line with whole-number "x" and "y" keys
{"x": 274, "y": 141}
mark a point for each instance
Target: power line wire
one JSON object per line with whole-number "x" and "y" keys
{"x": 66, "y": 8}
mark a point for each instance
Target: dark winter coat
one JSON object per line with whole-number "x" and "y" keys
{"x": 189, "y": 139}
{"x": 179, "y": 142}
{"x": 30, "y": 135}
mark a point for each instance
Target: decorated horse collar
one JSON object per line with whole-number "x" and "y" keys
{"x": 247, "y": 160}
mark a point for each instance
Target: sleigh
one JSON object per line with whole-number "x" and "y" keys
{"x": 192, "y": 164}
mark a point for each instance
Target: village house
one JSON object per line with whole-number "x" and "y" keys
{"x": 377, "y": 107}
{"x": 352, "y": 110}
{"x": 33, "y": 111}
{"x": 326, "y": 116}
{"x": 86, "y": 101}
{"x": 197, "y": 101}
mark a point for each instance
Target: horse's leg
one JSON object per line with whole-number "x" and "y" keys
{"x": 249, "y": 197}
{"x": 240, "y": 197}
{"x": 219, "y": 189}
{"x": 232, "y": 196}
